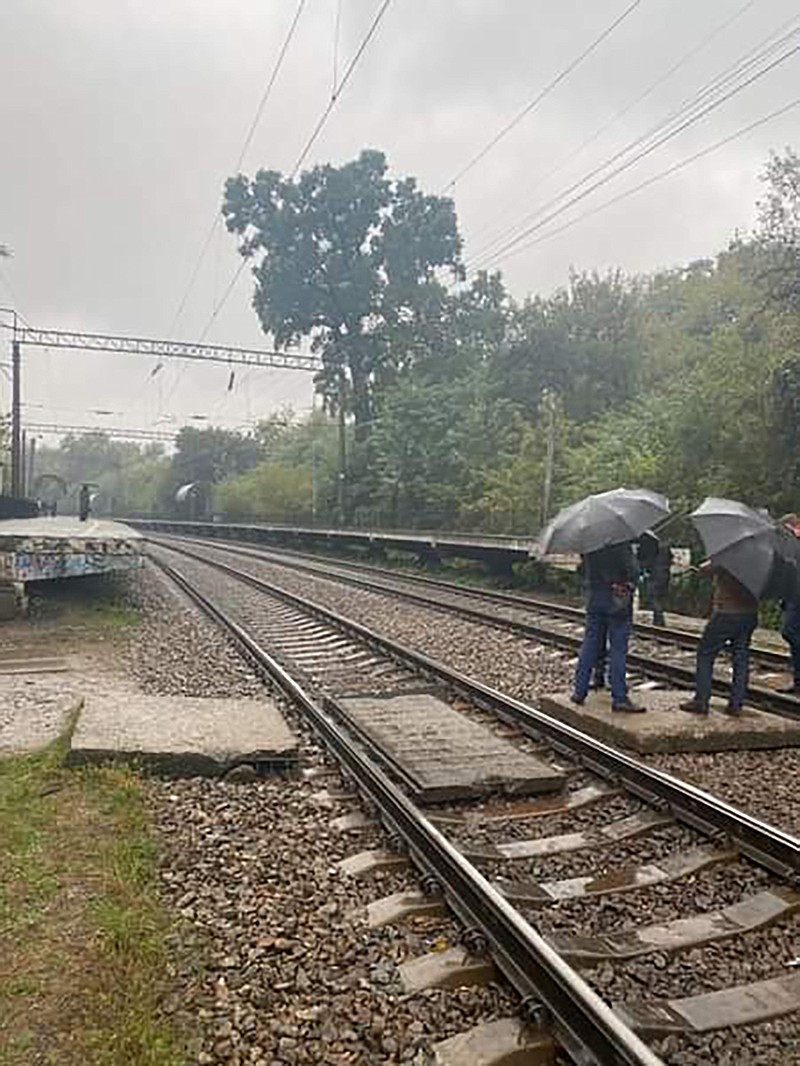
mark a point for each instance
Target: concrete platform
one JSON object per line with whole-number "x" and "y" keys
{"x": 448, "y": 755}
{"x": 666, "y": 728}
{"x": 179, "y": 736}
{"x": 40, "y": 549}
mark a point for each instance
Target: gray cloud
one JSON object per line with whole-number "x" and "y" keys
{"x": 120, "y": 120}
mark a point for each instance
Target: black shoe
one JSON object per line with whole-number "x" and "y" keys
{"x": 628, "y": 707}
{"x": 734, "y": 712}
{"x": 694, "y": 707}
{"x": 577, "y": 700}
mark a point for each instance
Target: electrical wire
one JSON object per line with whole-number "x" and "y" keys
{"x": 730, "y": 76}
{"x": 243, "y": 151}
{"x": 540, "y": 97}
{"x": 301, "y": 158}
{"x": 681, "y": 62}
{"x": 338, "y": 90}
{"x": 671, "y": 132}
{"x": 743, "y": 131}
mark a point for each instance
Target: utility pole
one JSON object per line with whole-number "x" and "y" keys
{"x": 342, "y": 486}
{"x": 31, "y": 462}
{"x": 549, "y": 408}
{"x": 17, "y": 487}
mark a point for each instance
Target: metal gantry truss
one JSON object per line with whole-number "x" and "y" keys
{"x": 166, "y": 349}
{"x": 107, "y": 431}
{"x": 107, "y": 342}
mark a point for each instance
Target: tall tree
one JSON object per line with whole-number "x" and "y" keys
{"x": 349, "y": 257}
{"x": 779, "y": 228}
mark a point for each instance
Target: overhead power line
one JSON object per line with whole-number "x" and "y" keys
{"x": 743, "y": 131}
{"x": 642, "y": 96}
{"x": 242, "y": 152}
{"x": 335, "y": 95}
{"x": 540, "y": 96}
{"x": 694, "y": 114}
{"x": 337, "y": 91}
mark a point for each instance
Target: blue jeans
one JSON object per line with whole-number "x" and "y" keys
{"x": 722, "y": 629}
{"x": 790, "y": 632}
{"x": 618, "y": 627}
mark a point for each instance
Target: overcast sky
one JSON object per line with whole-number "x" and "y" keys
{"x": 121, "y": 119}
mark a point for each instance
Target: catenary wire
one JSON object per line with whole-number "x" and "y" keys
{"x": 338, "y": 90}
{"x": 647, "y": 150}
{"x": 731, "y": 76}
{"x": 540, "y": 97}
{"x": 660, "y": 80}
{"x": 741, "y": 132}
{"x": 243, "y": 151}
{"x": 301, "y": 158}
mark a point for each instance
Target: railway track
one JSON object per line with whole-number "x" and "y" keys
{"x": 665, "y": 655}
{"x": 618, "y": 831}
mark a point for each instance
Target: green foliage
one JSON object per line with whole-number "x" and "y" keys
{"x": 130, "y": 477}
{"x": 349, "y": 257}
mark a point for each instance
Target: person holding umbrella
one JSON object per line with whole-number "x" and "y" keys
{"x": 790, "y": 629}
{"x": 602, "y": 529}
{"x": 750, "y": 557}
{"x": 734, "y": 615}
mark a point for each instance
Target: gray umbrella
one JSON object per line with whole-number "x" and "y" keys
{"x": 606, "y": 518}
{"x": 749, "y": 545}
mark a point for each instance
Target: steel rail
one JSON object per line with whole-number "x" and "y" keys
{"x": 550, "y": 989}
{"x": 765, "y": 698}
{"x": 763, "y": 843}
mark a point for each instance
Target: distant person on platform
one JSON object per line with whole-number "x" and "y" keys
{"x": 655, "y": 558}
{"x": 734, "y": 615}
{"x": 84, "y": 503}
{"x": 610, "y": 576}
{"x": 790, "y": 629}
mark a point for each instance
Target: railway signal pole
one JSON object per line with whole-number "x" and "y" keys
{"x": 16, "y": 421}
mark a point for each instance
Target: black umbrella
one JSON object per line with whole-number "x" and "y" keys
{"x": 612, "y": 517}
{"x": 763, "y": 556}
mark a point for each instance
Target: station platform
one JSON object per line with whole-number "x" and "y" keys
{"x": 180, "y": 736}
{"x": 664, "y": 727}
{"x": 46, "y": 549}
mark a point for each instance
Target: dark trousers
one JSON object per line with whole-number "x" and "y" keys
{"x": 722, "y": 629}
{"x": 617, "y": 627}
{"x": 600, "y": 663}
{"x": 790, "y": 632}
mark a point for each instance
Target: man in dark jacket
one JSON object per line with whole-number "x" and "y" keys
{"x": 790, "y": 628}
{"x": 734, "y": 614}
{"x": 610, "y": 577}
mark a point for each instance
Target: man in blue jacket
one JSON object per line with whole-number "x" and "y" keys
{"x": 610, "y": 576}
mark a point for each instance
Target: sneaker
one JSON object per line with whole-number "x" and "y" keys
{"x": 694, "y": 707}
{"x": 629, "y": 707}
{"x": 577, "y": 700}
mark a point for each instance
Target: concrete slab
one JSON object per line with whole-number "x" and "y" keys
{"x": 371, "y": 861}
{"x": 37, "y": 549}
{"x": 448, "y": 755}
{"x": 452, "y": 968}
{"x": 181, "y": 736}
{"x": 743, "y": 1005}
{"x": 750, "y": 913}
{"x": 664, "y": 727}
{"x": 402, "y": 907}
{"x": 504, "y": 1042}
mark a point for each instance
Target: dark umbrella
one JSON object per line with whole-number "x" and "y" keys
{"x": 763, "y": 556}
{"x": 606, "y": 518}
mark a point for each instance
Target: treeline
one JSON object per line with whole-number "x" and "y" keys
{"x": 687, "y": 380}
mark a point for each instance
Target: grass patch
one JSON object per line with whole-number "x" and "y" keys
{"x": 83, "y": 953}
